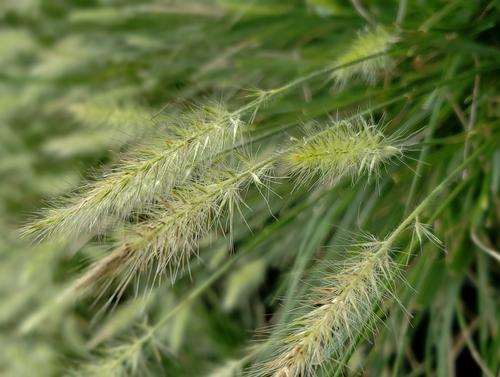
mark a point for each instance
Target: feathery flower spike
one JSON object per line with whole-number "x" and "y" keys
{"x": 347, "y": 148}
{"x": 334, "y": 313}
{"x": 139, "y": 181}
{"x": 170, "y": 237}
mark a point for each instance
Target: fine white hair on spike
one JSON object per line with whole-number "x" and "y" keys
{"x": 424, "y": 232}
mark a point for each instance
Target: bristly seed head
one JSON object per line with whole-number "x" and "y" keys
{"x": 346, "y": 148}
{"x": 170, "y": 237}
{"x": 333, "y": 314}
{"x": 368, "y": 43}
{"x": 192, "y": 142}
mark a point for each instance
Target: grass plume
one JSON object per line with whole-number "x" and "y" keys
{"x": 368, "y": 43}
{"x": 334, "y": 312}
{"x": 140, "y": 180}
{"x": 170, "y": 237}
{"x": 345, "y": 149}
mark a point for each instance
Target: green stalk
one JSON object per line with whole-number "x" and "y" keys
{"x": 265, "y": 95}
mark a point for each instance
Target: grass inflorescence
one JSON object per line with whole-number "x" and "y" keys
{"x": 170, "y": 237}
{"x": 345, "y": 149}
{"x": 177, "y": 223}
{"x": 144, "y": 177}
{"x": 334, "y": 314}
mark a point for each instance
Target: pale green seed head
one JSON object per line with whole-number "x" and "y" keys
{"x": 345, "y": 149}
{"x": 367, "y": 44}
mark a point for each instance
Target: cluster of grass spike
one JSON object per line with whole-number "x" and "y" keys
{"x": 142, "y": 178}
{"x": 176, "y": 224}
{"x": 170, "y": 237}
